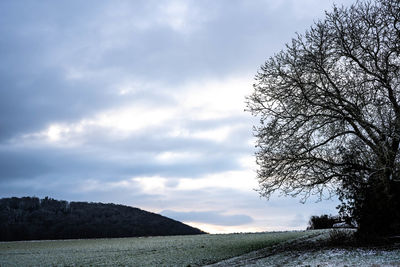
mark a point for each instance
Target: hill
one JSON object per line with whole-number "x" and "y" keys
{"x": 31, "y": 218}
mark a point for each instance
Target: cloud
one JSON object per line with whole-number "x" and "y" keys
{"x": 170, "y": 138}
{"x": 140, "y": 102}
{"x": 209, "y": 217}
{"x": 65, "y": 61}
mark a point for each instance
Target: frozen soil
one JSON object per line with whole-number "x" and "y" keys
{"x": 315, "y": 250}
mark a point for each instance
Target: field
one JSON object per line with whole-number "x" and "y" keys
{"x": 258, "y": 249}
{"x": 147, "y": 251}
{"x": 318, "y": 250}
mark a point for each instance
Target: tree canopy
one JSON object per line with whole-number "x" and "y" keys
{"x": 329, "y": 106}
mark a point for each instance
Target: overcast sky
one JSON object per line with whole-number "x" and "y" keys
{"x": 142, "y": 103}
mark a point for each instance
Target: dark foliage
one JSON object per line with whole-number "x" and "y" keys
{"x": 322, "y": 222}
{"x": 31, "y": 218}
{"x": 376, "y": 210}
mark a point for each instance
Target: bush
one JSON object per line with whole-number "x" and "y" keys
{"x": 322, "y": 222}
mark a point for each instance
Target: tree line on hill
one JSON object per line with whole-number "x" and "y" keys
{"x": 31, "y": 218}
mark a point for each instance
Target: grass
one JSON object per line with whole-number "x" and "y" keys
{"x": 306, "y": 248}
{"x": 148, "y": 251}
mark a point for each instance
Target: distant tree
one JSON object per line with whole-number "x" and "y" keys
{"x": 329, "y": 109}
{"x": 322, "y": 222}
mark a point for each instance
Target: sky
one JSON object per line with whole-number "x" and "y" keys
{"x": 141, "y": 103}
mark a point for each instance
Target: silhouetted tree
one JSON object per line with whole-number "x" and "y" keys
{"x": 329, "y": 109}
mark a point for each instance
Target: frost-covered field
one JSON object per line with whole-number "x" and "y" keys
{"x": 259, "y": 249}
{"x": 311, "y": 251}
{"x": 334, "y": 257}
{"x": 149, "y": 251}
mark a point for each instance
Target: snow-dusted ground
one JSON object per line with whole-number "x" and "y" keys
{"x": 325, "y": 257}
{"x": 309, "y": 252}
{"x": 304, "y": 248}
{"x": 334, "y": 257}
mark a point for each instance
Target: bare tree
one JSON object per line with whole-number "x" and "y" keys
{"x": 329, "y": 104}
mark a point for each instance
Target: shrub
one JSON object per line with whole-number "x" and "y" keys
{"x": 322, "y": 221}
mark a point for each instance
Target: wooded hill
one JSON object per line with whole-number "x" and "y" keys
{"x": 31, "y": 218}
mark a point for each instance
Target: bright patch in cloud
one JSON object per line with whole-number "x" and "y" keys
{"x": 54, "y": 132}
{"x": 152, "y": 185}
{"x": 214, "y": 99}
{"x": 169, "y": 157}
{"x": 215, "y": 134}
{"x": 132, "y": 119}
{"x": 238, "y": 180}
{"x": 219, "y": 134}
{"x": 248, "y": 162}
